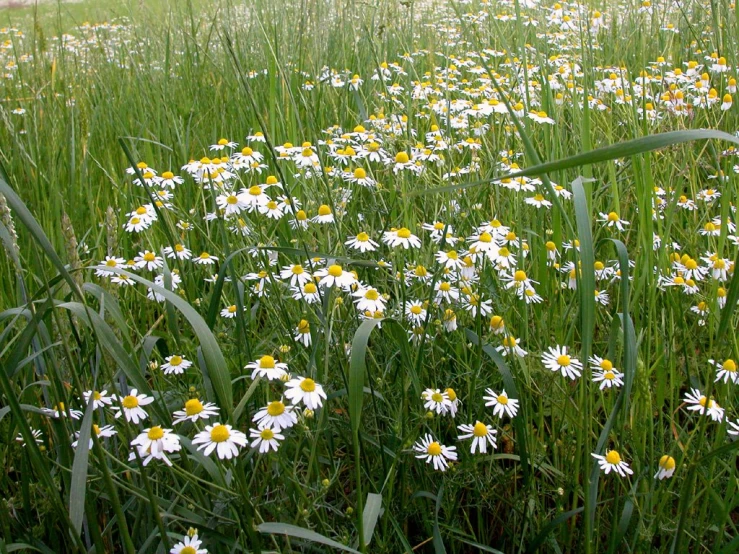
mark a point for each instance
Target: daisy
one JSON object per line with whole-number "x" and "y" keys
{"x": 267, "y": 367}
{"x": 455, "y": 402}
{"x": 557, "y": 359}
{"x": 666, "y": 467}
{"x": 132, "y": 406}
{"x": 275, "y": 415}
{"x": 229, "y": 312}
{"x": 309, "y": 293}
{"x": 60, "y": 410}
{"x": 369, "y": 299}
{"x": 230, "y": 204}
{"x": 359, "y": 177}
{"x": 401, "y": 237}
{"x": 483, "y": 435}
{"x": 302, "y": 333}
{"x": 253, "y": 197}
{"x": 179, "y": 252}
{"x": 148, "y": 260}
{"x": 726, "y": 371}
{"x": 733, "y": 429}
{"x": 100, "y": 432}
{"x": 612, "y": 462}
{"x": 169, "y": 180}
{"x": 449, "y": 259}
{"x": 37, "y": 437}
{"x": 221, "y": 438}
{"x": 699, "y": 403}
{"x": 190, "y": 545}
{"x": 501, "y": 403}
{"x": 175, "y": 365}
{"x": 608, "y": 378}
{"x": 155, "y": 443}
{"x": 272, "y": 210}
{"x": 100, "y": 399}
{"x": 305, "y": 390}
{"x": 109, "y": 262}
{"x": 334, "y": 275}
{"x": 431, "y": 451}
{"x": 265, "y": 439}
{"x": 195, "y": 410}
{"x": 296, "y": 275}
{"x": 497, "y": 325}
{"x": 436, "y": 401}
{"x": 538, "y": 201}
{"x": 324, "y": 215}
{"x": 361, "y": 242}
{"x": 205, "y": 259}
{"x": 223, "y": 143}
{"x": 510, "y": 345}
{"x": 612, "y": 219}
{"x": 415, "y": 312}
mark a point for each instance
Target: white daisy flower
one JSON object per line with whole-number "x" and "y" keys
{"x": 433, "y": 452}
{"x": 154, "y": 444}
{"x": 276, "y": 416}
{"x": 221, "y": 438}
{"x": 265, "y": 439}
{"x": 268, "y": 368}
{"x": 195, "y": 410}
{"x": 175, "y": 365}
{"x": 612, "y": 462}
{"x": 305, "y": 390}
{"x": 501, "y": 403}
{"x": 132, "y": 406}
{"x": 481, "y": 435}
{"x": 557, "y": 359}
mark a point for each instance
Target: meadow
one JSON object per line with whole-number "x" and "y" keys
{"x": 416, "y": 276}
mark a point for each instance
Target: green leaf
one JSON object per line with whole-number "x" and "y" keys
{"x": 439, "y": 547}
{"x": 78, "y": 484}
{"x": 357, "y": 370}
{"x": 539, "y": 539}
{"x": 301, "y": 533}
{"x": 586, "y": 279}
{"x": 372, "y": 509}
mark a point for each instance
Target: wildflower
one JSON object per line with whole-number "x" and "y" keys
{"x": 178, "y": 251}
{"x": 267, "y": 367}
{"x": 175, "y": 365}
{"x": 436, "y": 401}
{"x": 361, "y": 242}
{"x": 132, "y": 406}
{"x": 727, "y": 371}
{"x": 612, "y": 462}
{"x": 155, "y": 443}
{"x": 483, "y": 435}
{"x": 666, "y": 467}
{"x": 699, "y": 403}
{"x": 415, "y": 312}
{"x": 369, "y": 299}
{"x": 296, "y": 275}
{"x": 305, "y": 390}
{"x": 510, "y": 344}
{"x": 110, "y": 262}
{"x": 449, "y": 321}
{"x": 605, "y": 373}
{"x": 450, "y": 259}
{"x": 189, "y": 545}
{"x": 229, "y": 312}
{"x": 35, "y": 433}
{"x": 733, "y": 429}
{"x": 454, "y": 399}
{"x": 148, "y": 260}
{"x": 205, "y": 259}
{"x": 195, "y": 410}
{"x": 501, "y": 403}
{"x": 265, "y": 439}
{"x": 497, "y": 325}
{"x": 557, "y": 359}
{"x": 276, "y": 416}
{"x": 431, "y": 451}
{"x": 324, "y": 215}
{"x": 538, "y": 201}
{"x": 302, "y": 333}
{"x": 335, "y": 276}
{"x": 100, "y": 432}
{"x": 100, "y": 399}
{"x": 401, "y": 237}
{"x": 611, "y": 219}
{"x": 221, "y": 438}
{"x": 60, "y": 410}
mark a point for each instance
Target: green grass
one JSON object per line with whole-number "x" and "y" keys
{"x": 159, "y": 82}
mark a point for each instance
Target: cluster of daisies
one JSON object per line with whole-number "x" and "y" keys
{"x": 301, "y": 397}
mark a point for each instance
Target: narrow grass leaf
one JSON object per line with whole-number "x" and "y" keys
{"x": 302, "y": 533}
{"x": 370, "y": 514}
{"x": 78, "y": 485}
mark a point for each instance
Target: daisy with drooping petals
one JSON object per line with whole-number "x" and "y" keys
{"x": 362, "y": 242}
{"x": 401, "y": 237}
{"x": 666, "y": 467}
{"x": 481, "y": 435}
{"x": 100, "y": 399}
{"x": 221, "y": 438}
{"x": 100, "y": 432}
{"x": 612, "y": 462}
{"x": 557, "y": 359}
{"x": 305, "y": 390}
{"x": 175, "y": 365}
{"x": 501, "y": 403}
{"x": 727, "y": 371}
{"x": 335, "y": 276}
{"x": 433, "y": 452}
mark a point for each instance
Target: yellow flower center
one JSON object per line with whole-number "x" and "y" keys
{"x": 130, "y": 402}
{"x": 667, "y": 462}
{"x": 193, "y": 407}
{"x": 140, "y": 210}
{"x": 360, "y": 173}
{"x": 362, "y": 237}
{"x": 266, "y": 362}
{"x": 95, "y": 429}
{"x": 415, "y": 309}
{"x": 496, "y": 322}
{"x": 437, "y": 397}
{"x": 613, "y": 216}
{"x": 609, "y": 375}
{"x": 401, "y": 158}
{"x": 324, "y": 210}
{"x": 451, "y": 394}
{"x": 335, "y": 270}
{"x": 255, "y": 190}
{"x": 275, "y": 408}
{"x": 232, "y": 199}
{"x": 519, "y": 276}
{"x": 310, "y": 288}
{"x": 219, "y": 433}
{"x": 606, "y": 365}
{"x": 502, "y": 400}
{"x": 599, "y": 266}
{"x": 613, "y": 457}
{"x": 563, "y": 360}
{"x": 111, "y": 263}
{"x": 371, "y": 294}
{"x": 691, "y": 264}
{"x": 149, "y": 257}
{"x": 267, "y": 434}
{"x": 308, "y": 385}
{"x": 480, "y": 429}
{"x": 452, "y": 255}
{"x": 304, "y": 326}
{"x": 730, "y": 366}
{"x": 434, "y": 449}
{"x": 705, "y": 402}
{"x": 155, "y": 433}
{"x": 404, "y": 233}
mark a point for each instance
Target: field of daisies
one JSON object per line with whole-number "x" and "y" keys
{"x": 323, "y": 276}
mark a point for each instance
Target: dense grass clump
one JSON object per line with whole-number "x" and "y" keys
{"x": 390, "y": 277}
